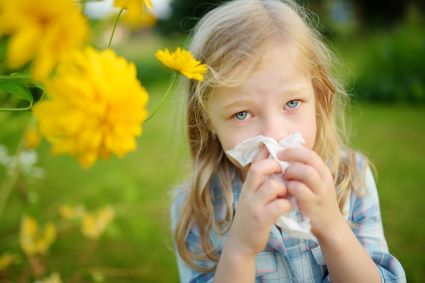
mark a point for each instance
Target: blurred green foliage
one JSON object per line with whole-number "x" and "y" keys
{"x": 185, "y": 15}
{"x": 392, "y": 65}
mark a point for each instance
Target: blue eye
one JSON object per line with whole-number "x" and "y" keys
{"x": 293, "y": 104}
{"x": 241, "y": 115}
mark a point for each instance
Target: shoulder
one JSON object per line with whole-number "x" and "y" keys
{"x": 365, "y": 173}
{"x": 364, "y": 199}
{"x": 360, "y": 170}
{"x": 355, "y": 159}
{"x": 363, "y": 190}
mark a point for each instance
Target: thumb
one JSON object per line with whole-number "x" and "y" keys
{"x": 278, "y": 207}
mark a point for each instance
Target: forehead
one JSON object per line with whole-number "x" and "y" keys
{"x": 276, "y": 68}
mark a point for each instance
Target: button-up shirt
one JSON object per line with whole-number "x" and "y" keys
{"x": 287, "y": 259}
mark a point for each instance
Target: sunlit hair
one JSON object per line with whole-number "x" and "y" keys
{"x": 230, "y": 40}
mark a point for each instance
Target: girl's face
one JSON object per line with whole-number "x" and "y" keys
{"x": 276, "y": 100}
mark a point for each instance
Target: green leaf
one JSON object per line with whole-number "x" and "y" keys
{"x": 3, "y": 54}
{"x": 17, "y": 87}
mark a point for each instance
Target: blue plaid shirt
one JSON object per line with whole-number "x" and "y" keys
{"x": 287, "y": 259}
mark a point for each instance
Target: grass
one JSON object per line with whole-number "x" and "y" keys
{"x": 393, "y": 136}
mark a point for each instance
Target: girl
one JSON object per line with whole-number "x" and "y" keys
{"x": 269, "y": 75}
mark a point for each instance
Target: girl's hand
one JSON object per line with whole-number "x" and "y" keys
{"x": 261, "y": 202}
{"x": 310, "y": 181}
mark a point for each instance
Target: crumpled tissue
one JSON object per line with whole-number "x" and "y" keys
{"x": 245, "y": 153}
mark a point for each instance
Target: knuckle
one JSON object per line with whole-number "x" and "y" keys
{"x": 255, "y": 168}
{"x": 272, "y": 183}
{"x": 274, "y": 190}
{"x": 311, "y": 155}
{"x": 279, "y": 207}
{"x": 294, "y": 186}
{"x": 309, "y": 171}
{"x": 277, "y": 185}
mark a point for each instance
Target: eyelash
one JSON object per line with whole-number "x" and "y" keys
{"x": 294, "y": 100}
{"x": 234, "y": 116}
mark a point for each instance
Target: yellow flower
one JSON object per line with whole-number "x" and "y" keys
{"x": 69, "y": 212}
{"x": 95, "y": 106}
{"x": 143, "y": 20}
{"x": 32, "y": 138}
{"x": 182, "y": 61}
{"x": 6, "y": 260}
{"x": 94, "y": 224}
{"x": 136, "y": 15}
{"x": 44, "y": 31}
{"x": 34, "y": 241}
{"x": 53, "y": 278}
{"x": 134, "y": 8}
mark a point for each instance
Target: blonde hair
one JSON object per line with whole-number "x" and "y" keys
{"x": 228, "y": 40}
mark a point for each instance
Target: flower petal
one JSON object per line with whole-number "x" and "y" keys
{"x": 22, "y": 47}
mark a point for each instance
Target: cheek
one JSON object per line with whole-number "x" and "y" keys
{"x": 227, "y": 140}
{"x": 228, "y": 136}
{"x": 310, "y": 137}
{"x": 310, "y": 131}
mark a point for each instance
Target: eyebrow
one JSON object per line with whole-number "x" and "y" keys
{"x": 238, "y": 102}
{"x": 295, "y": 91}
{"x": 289, "y": 93}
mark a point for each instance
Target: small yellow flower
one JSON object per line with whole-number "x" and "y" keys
{"x": 43, "y": 31}
{"x": 68, "y": 212}
{"x": 143, "y": 20}
{"x": 136, "y": 14}
{"x": 93, "y": 225}
{"x": 34, "y": 241}
{"x": 53, "y": 278}
{"x": 134, "y": 8}
{"x": 182, "y": 61}
{"x": 6, "y": 260}
{"x": 95, "y": 106}
{"x": 32, "y": 138}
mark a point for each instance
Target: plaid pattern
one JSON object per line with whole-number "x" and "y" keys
{"x": 287, "y": 259}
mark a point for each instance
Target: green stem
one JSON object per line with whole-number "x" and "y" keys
{"x": 170, "y": 87}
{"x": 16, "y": 109}
{"x": 115, "y": 26}
{"x": 8, "y": 77}
{"x": 10, "y": 182}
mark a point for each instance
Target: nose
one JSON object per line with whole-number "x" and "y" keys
{"x": 275, "y": 126}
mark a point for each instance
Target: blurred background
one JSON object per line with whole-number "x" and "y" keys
{"x": 381, "y": 46}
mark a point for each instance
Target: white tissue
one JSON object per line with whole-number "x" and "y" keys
{"x": 245, "y": 152}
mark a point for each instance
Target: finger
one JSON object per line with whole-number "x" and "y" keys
{"x": 308, "y": 157}
{"x": 300, "y": 192}
{"x": 259, "y": 170}
{"x": 276, "y": 208}
{"x": 304, "y": 174}
{"x": 273, "y": 188}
